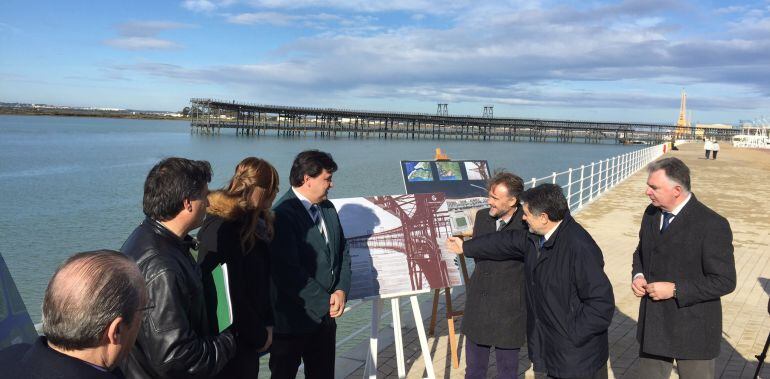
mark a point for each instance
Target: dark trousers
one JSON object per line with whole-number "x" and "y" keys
{"x": 708, "y": 152}
{"x": 477, "y": 360}
{"x": 316, "y": 350}
{"x": 654, "y": 367}
{"x": 714, "y": 153}
{"x": 599, "y": 374}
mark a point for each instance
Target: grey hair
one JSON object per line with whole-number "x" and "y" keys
{"x": 86, "y": 293}
{"x": 675, "y": 170}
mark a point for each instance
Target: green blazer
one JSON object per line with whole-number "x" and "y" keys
{"x": 305, "y": 270}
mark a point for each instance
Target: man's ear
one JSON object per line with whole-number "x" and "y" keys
{"x": 677, "y": 190}
{"x": 114, "y": 330}
{"x": 187, "y": 204}
{"x": 305, "y": 179}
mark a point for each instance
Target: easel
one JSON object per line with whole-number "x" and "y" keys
{"x": 370, "y": 370}
{"x": 450, "y": 314}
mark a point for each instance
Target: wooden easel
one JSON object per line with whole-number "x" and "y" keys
{"x": 450, "y": 314}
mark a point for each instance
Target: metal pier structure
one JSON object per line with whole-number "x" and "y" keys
{"x": 210, "y": 116}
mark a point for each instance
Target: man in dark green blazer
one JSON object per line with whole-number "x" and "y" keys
{"x": 310, "y": 271}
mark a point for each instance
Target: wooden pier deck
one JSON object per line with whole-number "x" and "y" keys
{"x": 736, "y": 185}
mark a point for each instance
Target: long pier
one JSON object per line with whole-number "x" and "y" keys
{"x": 210, "y": 116}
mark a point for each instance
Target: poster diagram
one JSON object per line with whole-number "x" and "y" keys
{"x": 397, "y": 244}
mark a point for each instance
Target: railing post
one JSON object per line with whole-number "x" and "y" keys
{"x": 591, "y": 189}
{"x": 580, "y": 199}
{"x": 613, "y": 170}
{"x": 553, "y": 180}
{"x": 533, "y": 183}
{"x": 606, "y": 174}
{"x": 569, "y": 187}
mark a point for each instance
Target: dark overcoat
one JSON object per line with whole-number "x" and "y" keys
{"x": 696, "y": 253}
{"x": 305, "y": 270}
{"x": 569, "y": 297}
{"x": 495, "y": 305}
{"x": 39, "y": 361}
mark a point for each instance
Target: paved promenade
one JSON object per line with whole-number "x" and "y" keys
{"x": 737, "y": 185}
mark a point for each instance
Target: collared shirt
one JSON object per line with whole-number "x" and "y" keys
{"x": 505, "y": 220}
{"x": 674, "y": 212}
{"x": 307, "y": 204}
{"x": 550, "y": 233}
{"x": 673, "y": 216}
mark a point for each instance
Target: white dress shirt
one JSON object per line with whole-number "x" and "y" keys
{"x": 307, "y": 204}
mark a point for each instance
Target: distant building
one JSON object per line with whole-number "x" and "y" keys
{"x": 710, "y": 129}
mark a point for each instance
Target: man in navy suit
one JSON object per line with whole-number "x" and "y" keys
{"x": 682, "y": 265}
{"x": 310, "y": 271}
{"x": 570, "y": 302}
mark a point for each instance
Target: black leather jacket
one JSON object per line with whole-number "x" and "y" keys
{"x": 174, "y": 340}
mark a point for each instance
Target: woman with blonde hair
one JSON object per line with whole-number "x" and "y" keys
{"x": 237, "y": 232}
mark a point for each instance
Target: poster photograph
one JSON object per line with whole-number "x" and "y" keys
{"x": 397, "y": 244}
{"x": 418, "y": 171}
{"x": 477, "y": 170}
{"x": 449, "y": 171}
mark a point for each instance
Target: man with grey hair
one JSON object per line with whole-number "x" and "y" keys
{"x": 682, "y": 265}
{"x": 91, "y": 316}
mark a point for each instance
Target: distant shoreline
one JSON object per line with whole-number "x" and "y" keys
{"x": 86, "y": 113}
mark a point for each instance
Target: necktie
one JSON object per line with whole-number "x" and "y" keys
{"x": 500, "y": 225}
{"x": 542, "y": 241}
{"x": 666, "y": 220}
{"x": 315, "y": 213}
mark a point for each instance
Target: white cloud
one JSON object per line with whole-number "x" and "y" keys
{"x": 271, "y": 18}
{"x": 148, "y": 28}
{"x": 142, "y": 35}
{"x": 201, "y": 5}
{"x": 142, "y": 43}
{"x": 367, "y": 6}
{"x": 498, "y": 53}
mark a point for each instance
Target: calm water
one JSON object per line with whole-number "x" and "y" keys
{"x": 75, "y": 184}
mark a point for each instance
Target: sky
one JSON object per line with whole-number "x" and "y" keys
{"x": 577, "y": 60}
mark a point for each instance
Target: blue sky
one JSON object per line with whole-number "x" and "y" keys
{"x": 580, "y": 60}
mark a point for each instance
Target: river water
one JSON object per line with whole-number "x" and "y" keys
{"x": 75, "y": 184}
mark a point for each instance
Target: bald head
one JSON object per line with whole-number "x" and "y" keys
{"x": 86, "y": 294}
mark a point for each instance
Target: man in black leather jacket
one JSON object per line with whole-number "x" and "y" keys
{"x": 174, "y": 340}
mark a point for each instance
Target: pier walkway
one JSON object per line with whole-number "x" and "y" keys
{"x": 737, "y": 185}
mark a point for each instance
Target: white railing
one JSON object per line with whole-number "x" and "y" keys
{"x": 585, "y": 183}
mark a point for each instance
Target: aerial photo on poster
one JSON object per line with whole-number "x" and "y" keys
{"x": 449, "y": 171}
{"x": 418, "y": 171}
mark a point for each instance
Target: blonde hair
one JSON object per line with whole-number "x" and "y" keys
{"x": 254, "y": 177}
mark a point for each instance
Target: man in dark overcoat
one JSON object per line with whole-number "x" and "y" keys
{"x": 495, "y": 309}
{"x": 92, "y": 312}
{"x": 569, "y": 297}
{"x": 682, "y": 265}
{"x": 310, "y": 271}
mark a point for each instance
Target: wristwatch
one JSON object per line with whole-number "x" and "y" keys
{"x": 674, "y": 291}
